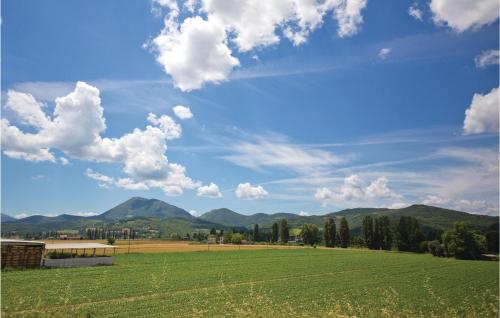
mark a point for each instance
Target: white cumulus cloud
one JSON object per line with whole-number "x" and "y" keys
{"x": 384, "y": 53}
{"x": 196, "y": 49}
{"x": 249, "y": 192}
{"x": 398, "y": 205}
{"x": 355, "y": 188}
{"x": 482, "y": 114}
{"x": 210, "y": 191}
{"x": 487, "y": 58}
{"x": 461, "y": 15}
{"x": 194, "y": 52}
{"x": 415, "y": 12}
{"x": 85, "y": 214}
{"x": 63, "y": 161}
{"x": 76, "y": 127}
{"x": 183, "y": 112}
{"x": 465, "y": 205}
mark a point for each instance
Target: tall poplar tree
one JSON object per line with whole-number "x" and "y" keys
{"x": 368, "y": 231}
{"x": 284, "y": 233}
{"x": 330, "y": 232}
{"x": 344, "y": 233}
{"x": 274, "y": 232}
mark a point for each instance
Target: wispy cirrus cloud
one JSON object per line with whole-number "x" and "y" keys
{"x": 276, "y": 151}
{"x": 487, "y": 58}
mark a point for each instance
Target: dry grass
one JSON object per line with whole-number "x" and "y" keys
{"x": 159, "y": 246}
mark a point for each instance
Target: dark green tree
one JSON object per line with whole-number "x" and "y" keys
{"x": 329, "y": 232}
{"x": 492, "y": 242}
{"x": 368, "y": 231}
{"x": 409, "y": 235}
{"x": 377, "y": 234}
{"x": 402, "y": 234}
{"x": 416, "y": 235}
{"x": 284, "y": 232}
{"x": 256, "y": 233}
{"x": 462, "y": 243}
{"x": 492, "y": 236}
{"x": 274, "y": 232}
{"x": 344, "y": 233}
{"x": 213, "y": 231}
{"x": 309, "y": 234}
{"x": 385, "y": 233}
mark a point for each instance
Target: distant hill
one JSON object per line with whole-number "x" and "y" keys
{"x": 429, "y": 217}
{"x": 41, "y": 223}
{"x": 136, "y": 207}
{"x": 167, "y": 227}
{"x": 167, "y": 219}
{"x": 38, "y": 219}
{"x": 7, "y": 218}
{"x": 226, "y": 217}
{"x": 230, "y": 218}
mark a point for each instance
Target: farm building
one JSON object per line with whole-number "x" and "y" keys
{"x": 21, "y": 254}
{"x": 77, "y": 254}
{"x": 33, "y": 254}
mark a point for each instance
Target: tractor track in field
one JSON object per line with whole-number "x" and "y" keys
{"x": 127, "y": 299}
{"x": 174, "y": 292}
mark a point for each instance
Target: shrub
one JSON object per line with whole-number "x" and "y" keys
{"x": 424, "y": 246}
{"x": 56, "y": 255}
{"x": 435, "y": 248}
{"x": 236, "y": 238}
{"x": 111, "y": 240}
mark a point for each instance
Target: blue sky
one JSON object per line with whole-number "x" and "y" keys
{"x": 287, "y": 108}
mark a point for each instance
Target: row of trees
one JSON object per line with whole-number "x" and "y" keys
{"x": 279, "y": 233}
{"x": 377, "y": 232}
{"x": 459, "y": 242}
{"x": 310, "y": 233}
{"x": 100, "y": 233}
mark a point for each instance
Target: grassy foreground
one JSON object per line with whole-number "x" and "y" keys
{"x": 261, "y": 283}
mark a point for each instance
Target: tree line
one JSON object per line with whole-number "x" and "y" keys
{"x": 459, "y": 242}
{"x": 404, "y": 234}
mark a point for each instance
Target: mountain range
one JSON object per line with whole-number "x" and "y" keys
{"x": 167, "y": 219}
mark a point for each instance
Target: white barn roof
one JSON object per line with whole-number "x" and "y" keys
{"x": 19, "y": 242}
{"x": 67, "y": 246}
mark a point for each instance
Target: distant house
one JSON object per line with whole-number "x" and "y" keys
{"x": 212, "y": 239}
{"x": 296, "y": 239}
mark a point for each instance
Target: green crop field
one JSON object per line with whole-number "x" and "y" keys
{"x": 261, "y": 283}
